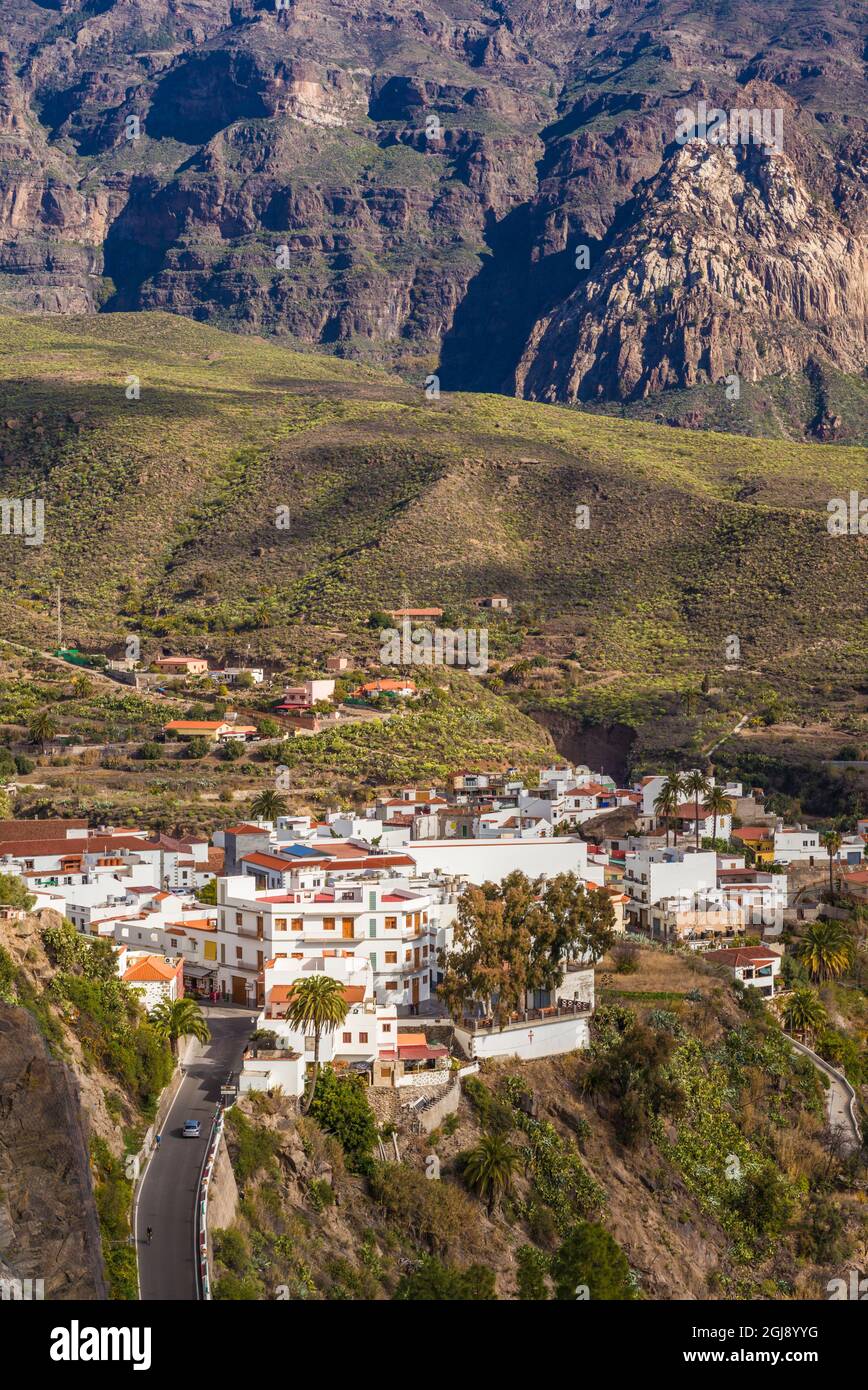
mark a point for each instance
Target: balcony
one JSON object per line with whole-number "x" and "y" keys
{"x": 565, "y": 1008}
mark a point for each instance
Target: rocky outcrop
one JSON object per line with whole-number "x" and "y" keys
{"x": 407, "y": 183}
{"x": 48, "y": 1223}
{"x": 725, "y": 264}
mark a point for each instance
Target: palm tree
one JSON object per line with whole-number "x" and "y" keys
{"x": 488, "y": 1169}
{"x": 317, "y": 1003}
{"x": 826, "y": 949}
{"x": 831, "y": 842}
{"x": 719, "y": 804}
{"x": 43, "y": 728}
{"x": 668, "y": 799}
{"x": 697, "y": 784}
{"x": 173, "y": 1019}
{"x": 803, "y": 1012}
{"x": 268, "y": 805}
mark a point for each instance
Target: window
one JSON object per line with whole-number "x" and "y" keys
{"x": 347, "y": 926}
{"x": 363, "y": 1037}
{"x": 408, "y": 955}
{"x": 391, "y": 984}
{"x": 280, "y": 924}
{"x": 391, "y": 924}
{"x": 238, "y": 953}
{"x": 328, "y": 923}
{"x": 296, "y": 924}
{"x": 391, "y": 957}
{"x": 309, "y": 1042}
{"x": 347, "y": 1037}
{"x": 239, "y": 918}
{"x": 387, "y": 1027}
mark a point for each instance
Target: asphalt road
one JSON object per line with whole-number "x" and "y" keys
{"x": 167, "y": 1196}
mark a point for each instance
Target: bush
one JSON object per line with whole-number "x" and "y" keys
{"x": 764, "y": 1202}
{"x": 495, "y": 1115}
{"x": 13, "y": 892}
{"x": 822, "y": 1236}
{"x": 253, "y": 1147}
{"x": 625, "y": 959}
{"x": 231, "y": 1250}
{"x": 436, "y": 1214}
{"x": 320, "y": 1194}
{"x": 590, "y": 1258}
{"x": 433, "y": 1280}
{"x": 233, "y": 750}
{"x": 341, "y": 1107}
{"x": 533, "y": 1266}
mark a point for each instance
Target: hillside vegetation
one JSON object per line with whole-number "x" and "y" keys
{"x": 690, "y": 1135}
{"x": 255, "y": 496}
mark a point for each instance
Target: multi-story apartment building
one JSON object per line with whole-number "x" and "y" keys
{"x": 650, "y": 875}
{"x": 377, "y": 916}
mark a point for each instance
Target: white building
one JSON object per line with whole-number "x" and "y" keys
{"x": 479, "y": 861}
{"x": 650, "y": 875}
{"x": 756, "y": 966}
{"x": 332, "y": 913}
{"x": 797, "y": 843}
{"x": 367, "y": 1030}
{"x": 154, "y": 978}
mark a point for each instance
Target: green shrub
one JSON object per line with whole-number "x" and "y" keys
{"x": 252, "y": 1146}
{"x": 495, "y": 1115}
{"x": 433, "y": 1280}
{"x": 532, "y": 1269}
{"x": 591, "y": 1259}
{"x": 341, "y": 1107}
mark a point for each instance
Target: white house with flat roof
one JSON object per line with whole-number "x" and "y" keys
{"x": 482, "y": 860}
{"x": 650, "y": 875}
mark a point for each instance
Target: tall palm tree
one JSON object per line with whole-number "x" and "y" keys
{"x": 668, "y": 800}
{"x": 317, "y": 1003}
{"x": 173, "y": 1019}
{"x": 489, "y": 1168}
{"x": 831, "y": 842}
{"x": 268, "y": 805}
{"x": 718, "y": 803}
{"x": 826, "y": 948}
{"x": 43, "y": 728}
{"x": 803, "y": 1013}
{"x": 696, "y": 784}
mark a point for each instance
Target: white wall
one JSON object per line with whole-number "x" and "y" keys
{"x": 483, "y": 860}
{"x": 536, "y": 1040}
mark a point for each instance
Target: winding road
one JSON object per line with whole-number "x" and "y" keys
{"x": 167, "y": 1195}
{"x": 840, "y": 1100}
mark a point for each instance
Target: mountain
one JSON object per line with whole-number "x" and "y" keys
{"x": 251, "y": 497}
{"x": 414, "y": 188}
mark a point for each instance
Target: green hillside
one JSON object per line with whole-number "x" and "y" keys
{"x": 161, "y": 512}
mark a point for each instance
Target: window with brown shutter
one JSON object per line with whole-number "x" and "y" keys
{"x": 328, "y": 923}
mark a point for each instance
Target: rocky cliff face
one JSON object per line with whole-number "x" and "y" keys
{"x": 411, "y": 185}
{"x": 48, "y": 1225}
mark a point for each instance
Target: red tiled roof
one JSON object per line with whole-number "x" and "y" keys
{"x": 742, "y": 955}
{"x": 153, "y": 969}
